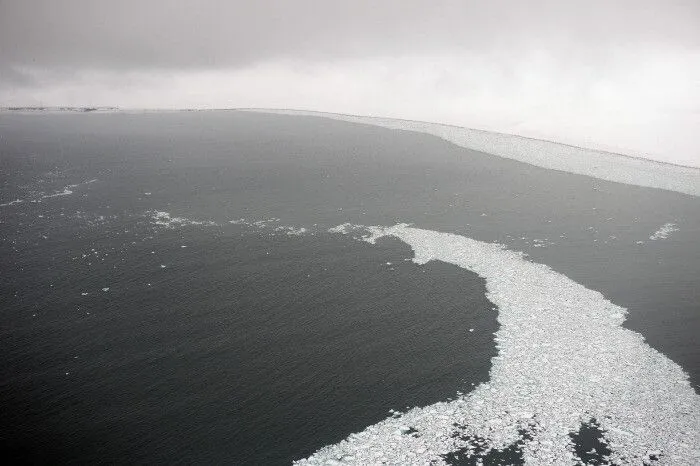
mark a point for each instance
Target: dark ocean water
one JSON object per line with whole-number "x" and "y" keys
{"x": 252, "y": 346}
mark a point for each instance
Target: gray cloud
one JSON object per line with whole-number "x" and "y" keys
{"x": 619, "y": 75}
{"x": 132, "y": 34}
{"x": 12, "y": 77}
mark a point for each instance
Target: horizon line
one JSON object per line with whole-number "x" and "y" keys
{"x": 93, "y": 109}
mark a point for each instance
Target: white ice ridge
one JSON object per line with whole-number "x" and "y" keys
{"x": 664, "y": 232}
{"x": 598, "y": 164}
{"x": 16, "y": 201}
{"x": 563, "y": 359}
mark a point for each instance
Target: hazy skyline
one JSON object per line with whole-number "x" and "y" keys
{"x": 622, "y": 76}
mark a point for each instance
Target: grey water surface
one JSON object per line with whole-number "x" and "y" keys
{"x": 128, "y": 341}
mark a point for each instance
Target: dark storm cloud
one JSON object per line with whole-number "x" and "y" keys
{"x": 145, "y": 34}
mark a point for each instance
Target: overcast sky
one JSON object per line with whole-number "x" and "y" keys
{"x": 620, "y": 75}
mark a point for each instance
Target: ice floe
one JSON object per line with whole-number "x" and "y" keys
{"x": 664, "y": 232}
{"x": 563, "y": 360}
{"x": 547, "y": 154}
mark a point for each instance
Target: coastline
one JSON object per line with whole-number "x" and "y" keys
{"x": 596, "y": 163}
{"x": 608, "y": 166}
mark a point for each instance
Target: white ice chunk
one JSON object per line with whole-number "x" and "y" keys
{"x": 664, "y": 231}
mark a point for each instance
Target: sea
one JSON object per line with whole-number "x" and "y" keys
{"x": 174, "y": 287}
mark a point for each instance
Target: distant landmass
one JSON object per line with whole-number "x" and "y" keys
{"x": 58, "y": 109}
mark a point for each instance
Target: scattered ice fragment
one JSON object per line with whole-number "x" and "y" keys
{"x": 664, "y": 232}
{"x": 164, "y": 219}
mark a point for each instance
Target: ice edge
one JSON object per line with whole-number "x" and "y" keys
{"x": 603, "y": 165}
{"x": 563, "y": 359}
